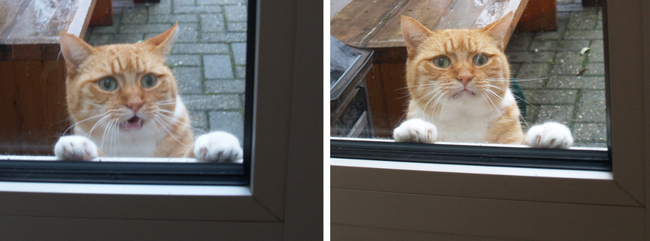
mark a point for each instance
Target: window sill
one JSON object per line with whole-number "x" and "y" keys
{"x": 125, "y": 189}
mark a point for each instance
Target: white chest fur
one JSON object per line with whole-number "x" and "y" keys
{"x": 141, "y": 143}
{"x": 465, "y": 120}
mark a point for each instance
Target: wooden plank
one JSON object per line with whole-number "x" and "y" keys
{"x": 397, "y": 96}
{"x": 32, "y": 105}
{"x": 540, "y": 15}
{"x": 41, "y": 22}
{"x": 102, "y": 14}
{"x": 377, "y": 102}
{"x": 372, "y": 24}
{"x": 361, "y": 18}
{"x": 427, "y": 12}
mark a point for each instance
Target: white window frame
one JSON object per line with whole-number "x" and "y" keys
{"x": 284, "y": 200}
{"x": 387, "y": 200}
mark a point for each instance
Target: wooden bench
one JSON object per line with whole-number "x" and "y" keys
{"x": 375, "y": 25}
{"x": 32, "y": 73}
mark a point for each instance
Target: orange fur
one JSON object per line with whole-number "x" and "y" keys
{"x": 128, "y": 64}
{"x": 432, "y": 88}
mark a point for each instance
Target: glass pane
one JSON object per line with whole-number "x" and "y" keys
{"x": 556, "y": 71}
{"x": 137, "y": 84}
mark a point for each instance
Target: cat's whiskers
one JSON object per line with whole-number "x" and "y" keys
{"x": 519, "y": 98}
{"x": 155, "y": 125}
{"x": 178, "y": 121}
{"x": 105, "y": 134}
{"x": 520, "y": 117}
{"x": 81, "y": 121}
{"x": 185, "y": 101}
{"x": 492, "y": 104}
{"x": 97, "y": 124}
{"x": 156, "y": 118}
{"x": 518, "y": 80}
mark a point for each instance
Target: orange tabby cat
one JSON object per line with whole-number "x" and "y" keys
{"x": 124, "y": 101}
{"x": 458, "y": 80}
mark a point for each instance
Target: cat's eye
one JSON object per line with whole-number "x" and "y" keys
{"x": 108, "y": 83}
{"x": 480, "y": 59}
{"x": 442, "y": 62}
{"x": 149, "y": 81}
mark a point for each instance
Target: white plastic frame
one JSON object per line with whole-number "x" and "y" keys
{"x": 383, "y": 200}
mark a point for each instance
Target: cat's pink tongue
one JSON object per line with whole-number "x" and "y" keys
{"x": 134, "y": 123}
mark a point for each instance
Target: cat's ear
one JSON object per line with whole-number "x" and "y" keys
{"x": 414, "y": 32}
{"x": 499, "y": 29}
{"x": 164, "y": 41}
{"x": 74, "y": 49}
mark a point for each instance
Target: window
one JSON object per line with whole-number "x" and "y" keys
{"x": 209, "y": 62}
{"x": 556, "y": 75}
{"x": 278, "y": 203}
{"x": 383, "y": 198}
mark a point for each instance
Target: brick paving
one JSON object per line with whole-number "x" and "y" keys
{"x": 208, "y": 57}
{"x": 547, "y": 65}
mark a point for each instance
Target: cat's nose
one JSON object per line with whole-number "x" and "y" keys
{"x": 465, "y": 79}
{"x": 134, "y": 107}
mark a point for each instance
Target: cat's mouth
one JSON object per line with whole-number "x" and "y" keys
{"x": 135, "y": 123}
{"x": 463, "y": 92}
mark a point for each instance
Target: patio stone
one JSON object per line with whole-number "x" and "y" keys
{"x": 590, "y": 132}
{"x": 224, "y": 37}
{"x": 597, "y": 69}
{"x": 181, "y": 18}
{"x": 137, "y": 15}
{"x": 218, "y": 67}
{"x": 545, "y": 97}
{"x": 552, "y": 35}
{"x": 236, "y": 26}
{"x": 566, "y": 69}
{"x": 239, "y": 51}
{"x": 591, "y": 107}
{"x": 576, "y": 45}
{"x": 145, "y": 28}
{"x": 219, "y": 2}
{"x": 222, "y": 120}
{"x": 235, "y": 13}
{"x": 576, "y": 82}
{"x": 225, "y": 86}
{"x": 184, "y": 60}
{"x": 568, "y": 57}
{"x": 583, "y": 20}
{"x": 189, "y": 80}
{"x": 103, "y": 39}
{"x": 533, "y": 71}
{"x": 197, "y": 9}
{"x": 531, "y": 56}
{"x": 583, "y": 34}
{"x": 240, "y": 72}
{"x": 540, "y": 45}
{"x": 556, "y": 113}
{"x": 201, "y": 48}
{"x": 199, "y": 122}
{"x": 229, "y": 102}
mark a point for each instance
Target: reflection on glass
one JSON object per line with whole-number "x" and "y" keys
{"x": 152, "y": 84}
{"x": 556, "y": 72}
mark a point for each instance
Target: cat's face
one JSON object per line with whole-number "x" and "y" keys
{"x": 122, "y": 87}
{"x": 455, "y": 66}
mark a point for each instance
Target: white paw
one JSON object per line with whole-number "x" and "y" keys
{"x": 76, "y": 148}
{"x": 218, "y": 146}
{"x": 549, "y": 135}
{"x": 416, "y": 130}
